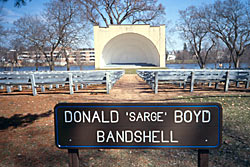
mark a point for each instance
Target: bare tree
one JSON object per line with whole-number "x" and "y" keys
{"x": 184, "y": 54}
{"x": 36, "y": 54}
{"x": 3, "y": 31}
{"x": 64, "y": 24}
{"x": 17, "y": 48}
{"x": 57, "y": 28}
{"x": 32, "y": 31}
{"x": 71, "y": 41}
{"x": 217, "y": 54}
{"x": 77, "y": 30}
{"x": 229, "y": 20}
{"x": 194, "y": 31}
{"x": 121, "y": 11}
{"x": 3, "y": 55}
{"x": 246, "y": 56}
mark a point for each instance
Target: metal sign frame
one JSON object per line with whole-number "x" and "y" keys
{"x": 76, "y": 106}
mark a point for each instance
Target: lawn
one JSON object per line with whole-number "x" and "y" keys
{"x": 31, "y": 143}
{"x": 235, "y": 150}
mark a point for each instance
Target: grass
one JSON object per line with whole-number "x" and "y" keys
{"x": 181, "y": 62}
{"x": 33, "y": 145}
{"x": 133, "y": 70}
{"x": 235, "y": 150}
{"x": 236, "y": 110}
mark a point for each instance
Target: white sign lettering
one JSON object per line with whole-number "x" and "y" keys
{"x": 86, "y": 117}
{"x": 189, "y": 116}
{"x": 138, "y": 136}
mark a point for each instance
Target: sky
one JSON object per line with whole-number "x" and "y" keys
{"x": 174, "y": 42}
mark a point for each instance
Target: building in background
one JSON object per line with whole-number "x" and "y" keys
{"x": 87, "y": 55}
{"x": 75, "y": 57}
{"x": 171, "y": 56}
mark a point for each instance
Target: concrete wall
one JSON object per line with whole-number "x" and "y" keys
{"x": 129, "y": 44}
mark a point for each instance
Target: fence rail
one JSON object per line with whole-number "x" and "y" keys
{"x": 71, "y": 78}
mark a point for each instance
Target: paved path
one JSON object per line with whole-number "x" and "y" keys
{"x": 132, "y": 88}
{"x": 129, "y": 87}
{"x": 131, "y": 83}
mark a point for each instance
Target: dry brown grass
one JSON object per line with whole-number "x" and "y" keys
{"x": 27, "y": 127}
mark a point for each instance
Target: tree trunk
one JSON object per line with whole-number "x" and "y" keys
{"x": 52, "y": 66}
{"x": 36, "y": 65}
{"x": 237, "y": 63}
{"x": 52, "y": 62}
{"x": 37, "y": 57}
{"x": 68, "y": 65}
{"x": 12, "y": 67}
{"x": 230, "y": 61}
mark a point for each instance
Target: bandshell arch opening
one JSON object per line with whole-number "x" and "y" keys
{"x": 130, "y": 48}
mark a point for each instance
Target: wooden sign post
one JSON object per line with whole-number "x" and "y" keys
{"x": 203, "y": 158}
{"x": 138, "y": 125}
{"x": 73, "y": 157}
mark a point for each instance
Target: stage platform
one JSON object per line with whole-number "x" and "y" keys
{"x": 129, "y": 65}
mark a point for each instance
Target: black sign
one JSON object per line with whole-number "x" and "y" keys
{"x": 138, "y": 125}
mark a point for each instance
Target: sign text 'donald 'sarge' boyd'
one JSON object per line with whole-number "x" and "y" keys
{"x": 138, "y": 125}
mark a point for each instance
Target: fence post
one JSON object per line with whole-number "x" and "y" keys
{"x": 227, "y": 82}
{"x": 42, "y": 88}
{"x": 107, "y": 82}
{"x": 20, "y": 88}
{"x": 247, "y": 85}
{"x": 82, "y": 87}
{"x": 33, "y": 84}
{"x": 71, "y": 84}
{"x": 76, "y": 87}
{"x": 192, "y": 82}
{"x": 237, "y": 84}
{"x": 50, "y": 87}
{"x": 8, "y": 89}
{"x": 217, "y": 85}
{"x": 156, "y": 82}
{"x": 73, "y": 157}
{"x": 184, "y": 84}
{"x": 203, "y": 158}
{"x": 209, "y": 84}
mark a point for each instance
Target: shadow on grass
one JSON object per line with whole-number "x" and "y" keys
{"x": 20, "y": 120}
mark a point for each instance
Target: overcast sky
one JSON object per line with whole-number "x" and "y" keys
{"x": 11, "y": 13}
